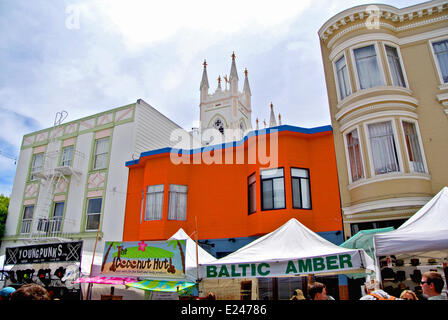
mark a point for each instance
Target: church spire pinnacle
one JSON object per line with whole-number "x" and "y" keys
{"x": 204, "y": 81}
{"x": 233, "y": 72}
{"x": 272, "y": 121}
{"x": 246, "y": 88}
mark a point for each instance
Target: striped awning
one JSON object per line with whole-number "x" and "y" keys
{"x": 106, "y": 280}
{"x": 161, "y": 285}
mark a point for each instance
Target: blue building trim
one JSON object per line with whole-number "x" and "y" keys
{"x": 232, "y": 144}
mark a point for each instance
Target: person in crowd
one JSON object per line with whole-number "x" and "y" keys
{"x": 30, "y": 291}
{"x": 318, "y": 291}
{"x": 5, "y": 293}
{"x": 374, "y": 292}
{"x": 408, "y": 295}
{"x": 432, "y": 284}
{"x": 211, "y": 296}
{"x": 297, "y": 295}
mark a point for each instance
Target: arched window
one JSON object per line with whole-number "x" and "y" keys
{"x": 219, "y": 125}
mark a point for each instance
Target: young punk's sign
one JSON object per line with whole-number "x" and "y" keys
{"x": 44, "y": 253}
{"x": 145, "y": 258}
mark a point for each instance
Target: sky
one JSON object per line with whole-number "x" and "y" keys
{"x": 86, "y": 57}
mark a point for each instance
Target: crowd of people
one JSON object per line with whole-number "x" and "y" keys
{"x": 432, "y": 284}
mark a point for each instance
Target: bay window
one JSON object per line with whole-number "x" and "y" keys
{"x": 177, "y": 206}
{"x": 395, "y": 68}
{"x": 354, "y": 155}
{"x": 301, "y": 194}
{"x": 383, "y": 147}
{"x": 441, "y": 53}
{"x": 272, "y": 189}
{"x": 154, "y": 202}
{"x": 343, "y": 78}
{"x": 369, "y": 74}
{"x": 413, "y": 147}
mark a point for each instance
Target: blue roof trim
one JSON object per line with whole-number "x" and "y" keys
{"x": 225, "y": 145}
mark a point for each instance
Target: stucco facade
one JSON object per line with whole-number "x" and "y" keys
{"x": 385, "y": 71}
{"x": 71, "y": 179}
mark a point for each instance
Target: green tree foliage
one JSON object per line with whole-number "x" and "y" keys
{"x": 4, "y": 203}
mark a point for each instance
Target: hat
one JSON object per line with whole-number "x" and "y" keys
{"x": 6, "y": 291}
{"x": 416, "y": 276}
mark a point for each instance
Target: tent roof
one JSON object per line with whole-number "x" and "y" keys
{"x": 290, "y": 241}
{"x": 364, "y": 240}
{"x": 190, "y": 255}
{"x": 423, "y": 234}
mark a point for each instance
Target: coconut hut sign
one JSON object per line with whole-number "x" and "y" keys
{"x": 149, "y": 259}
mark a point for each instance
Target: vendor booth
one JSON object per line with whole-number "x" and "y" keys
{"x": 148, "y": 269}
{"x": 289, "y": 251}
{"x": 417, "y": 246}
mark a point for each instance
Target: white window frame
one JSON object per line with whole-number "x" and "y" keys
{"x": 436, "y": 61}
{"x": 70, "y": 164}
{"x": 173, "y": 198}
{"x": 415, "y": 122}
{"x": 397, "y": 145}
{"x": 28, "y": 222}
{"x": 378, "y": 60}
{"x": 95, "y": 154}
{"x": 335, "y": 74}
{"x": 146, "y": 216}
{"x": 403, "y": 70}
{"x": 33, "y": 169}
{"x": 93, "y": 213}
{"x": 347, "y": 154}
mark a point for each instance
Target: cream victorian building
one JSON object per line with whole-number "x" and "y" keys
{"x": 386, "y": 71}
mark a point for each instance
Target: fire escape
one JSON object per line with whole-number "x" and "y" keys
{"x": 61, "y": 165}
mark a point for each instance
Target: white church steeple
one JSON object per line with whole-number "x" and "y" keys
{"x": 226, "y": 108}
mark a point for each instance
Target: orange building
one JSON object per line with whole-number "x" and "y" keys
{"x": 237, "y": 191}
{"x": 235, "y": 197}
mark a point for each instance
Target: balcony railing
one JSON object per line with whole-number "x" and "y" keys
{"x": 46, "y": 228}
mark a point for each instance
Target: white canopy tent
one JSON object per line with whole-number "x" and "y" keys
{"x": 424, "y": 235}
{"x": 290, "y": 250}
{"x": 190, "y": 255}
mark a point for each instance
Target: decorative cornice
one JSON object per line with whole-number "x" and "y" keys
{"x": 385, "y": 12}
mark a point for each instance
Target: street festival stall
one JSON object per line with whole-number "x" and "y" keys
{"x": 168, "y": 268}
{"x": 291, "y": 250}
{"x": 52, "y": 265}
{"x": 193, "y": 255}
{"x": 418, "y": 245}
{"x": 363, "y": 240}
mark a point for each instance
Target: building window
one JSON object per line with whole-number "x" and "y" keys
{"x": 272, "y": 189}
{"x": 384, "y": 150}
{"x": 101, "y": 153}
{"x": 37, "y": 165}
{"x": 413, "y": 147}
{"x": 154, "y": 202}
{"x": 93, "y": 213}
{"x": 67, "y": 155}
{"x": 301, "y": 193}
{"x": 441, "y": 52}
{"x": 396, "y": 70}
{"x": 252, "y": 193}
{"x": 354, "y": 155}
{"x": 58, "y": 211}
{"x": 369, "y": 74}
{"x": 177, "y": 206}
{"x": 343, "y": 78}
{"x": 219, "y": 125}
{"x": 27, "y": 219}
